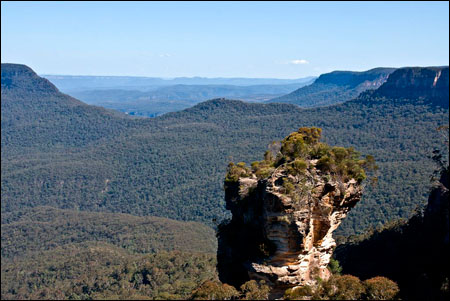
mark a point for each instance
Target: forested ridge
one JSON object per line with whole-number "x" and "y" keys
{"x": 42, "y": 228}
{"x": 81, "y": 184}
{"x": 99, "y": 270}
{"x": 172, "y": 166}
{"x": 177, "y": 97}
{"x": 49, "y": 253}
{"x": 336, "y": 87}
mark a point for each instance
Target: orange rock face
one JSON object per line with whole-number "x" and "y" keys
{"x": 283, "y": 237}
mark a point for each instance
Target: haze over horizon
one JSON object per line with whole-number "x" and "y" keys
{"x": 169, "y": 77}
{"x": 230, "y": 39}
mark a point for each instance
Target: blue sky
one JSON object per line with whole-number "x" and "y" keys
{"x": 222, "y": 39}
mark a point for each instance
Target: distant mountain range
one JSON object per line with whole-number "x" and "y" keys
{"x": 190, "y": 93}
{"x": 150, "y": 97}
{"x": 70, "y": 83}
{"x": 336, "y": 87}
{"x": 177, "y": 97}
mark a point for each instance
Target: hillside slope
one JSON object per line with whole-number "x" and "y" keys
{"x": 103, "y": 271}
{"x": 36, "y": 115}
{"x": 336, "y": 87}
{"x": 172, "y": 166}
{"x": 177, "y": 97}
{"x": 42, "y": 228}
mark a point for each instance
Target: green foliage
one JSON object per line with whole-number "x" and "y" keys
{"x": 334, "y": 267}
{"x": 311, "y": 135}
{"x": 214, "y": 290}
{"x": 298, "y": 166}
{"x": 61, "y": 153}
{"x": 381, "y": 288}
{"x": 50, "y": 253}
{"x": 344, "y": 162}
{"x": 288, "y": 186}
{"x": 264, "y": 172}
{"x": 304, "y": 144}
{"x": 235, "y": 171}
{"x": 345, "y": 287}
{"x": 299, "y": 293}
{"x": 253, "y": 290}
{"x": 319, "y": 150}
{"x": 263, "y": 169}
{"x": 43, "y": 228}
{"x": 103, "y": 271}
{"x": 295, "y": 146}
{"x": 255, "y": 166}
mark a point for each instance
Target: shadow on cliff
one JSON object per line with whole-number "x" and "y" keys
{"x": 412, "y": 253}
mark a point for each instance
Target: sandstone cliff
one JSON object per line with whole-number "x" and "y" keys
{"x": 285, "y": 210}
{"x": 427, "y": 83}
{"x": 336, "y": 87}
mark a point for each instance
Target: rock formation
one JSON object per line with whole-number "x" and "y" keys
{"x": 285, "y": 210}
{"x": 336, "y": 87}
{"x": 371, "y": 79}
{"x": 429, "y": 83}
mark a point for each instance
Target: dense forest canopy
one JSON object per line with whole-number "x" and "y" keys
{"x": 70, "y": 156}
{"x": 101, "y": 185}
{"x": 38, "y": 229}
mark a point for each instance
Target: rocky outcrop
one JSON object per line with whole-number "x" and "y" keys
{"x": 22, "y": 78}
{"x": 282, "y": 224}
{"x": 370, "y": 79}
{"x": 429, "y": 83}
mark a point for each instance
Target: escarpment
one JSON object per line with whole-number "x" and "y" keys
{"x": 429, "y": 83}
{"x": 336, "y": 87}
{"x": 285, "y": 209}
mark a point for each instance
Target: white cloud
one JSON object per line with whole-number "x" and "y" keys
{"x": 298, "y": 62}
{"x": 165, "y": 55}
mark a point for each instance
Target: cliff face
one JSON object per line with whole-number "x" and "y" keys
{"x": 430, "y": 83}
{"x": 282, "y": 221}
{"x": 336, "y": 87}
{"x": 371, "y": 79}
{"x": 21, "y": 78}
